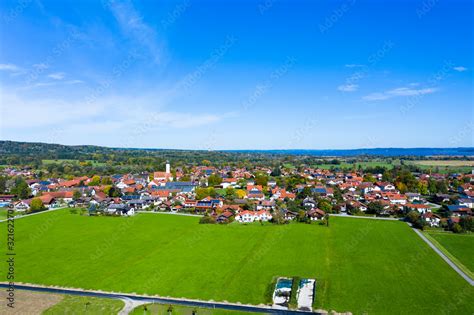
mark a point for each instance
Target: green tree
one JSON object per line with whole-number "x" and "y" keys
{"x": 369, "y": 178}
{"x": 325, "y": 205}
{"x": 106, "y": 180}
{"x": 422, "y": 188}
{"x": 230, "y": 193}
{"x": 207, "y": 219}
{"x": 214, "y": 180}
{"x": 375, "y": 207}
{"x": 301, "y": 217}
{"x": 261, "y": 179}
{"x": 76, "y": 194}
{"x": 21, "y": 188}
{"x": 304, "y": 193}
{"x": 95, "y": 181}
{"x": 442, "y": 186}
{"x": 276, "y": 172}
{"x": 3, "y": 184}
{"x": 467, "y": 223}
{"x": 36, "y": 205}
{"x": 413, "y": 216}
{"x": 432, "y": 186}
{"x": 457, "y": 228}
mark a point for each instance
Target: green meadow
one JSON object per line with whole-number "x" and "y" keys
{"x": 357, "y": 165}
{"x": 71, "y": 161}
{"x": 461, "y": 246}
{"x": 162, "y": 309}
{"x": 360, "y": 265}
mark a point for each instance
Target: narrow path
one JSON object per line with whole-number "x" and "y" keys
{"x": 31, "y": 214}
{"x": 172, "y": 213}
{"x": 133, "y": 299}
{"x": 445, "y": 258}
{"x": 362, "y": 217}
{"x": 130, "y": 305}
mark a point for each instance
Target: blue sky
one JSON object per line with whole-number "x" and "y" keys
{"x": 264, "y": 74}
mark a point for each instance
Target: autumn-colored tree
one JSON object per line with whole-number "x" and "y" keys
{"x": 240, "y": 193}
{"x": 95, "y": 181}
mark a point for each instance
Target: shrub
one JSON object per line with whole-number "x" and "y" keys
{"x": 207, "y": 220}
{"x": 457, "y": 228}
{"x": 36, "y": 205}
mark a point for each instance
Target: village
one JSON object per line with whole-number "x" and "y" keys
{"x": 243, "y": 195}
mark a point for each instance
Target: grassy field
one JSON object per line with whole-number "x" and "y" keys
{"x": 72, "y": 304}
{"x": 363, "y": 165}
{"x": 3, "y": 213}
{"x": 446, "y": 166}
{"x": 161, "y": 309}
{"x": 360, "y": 265}
{"x": 461, "y": 246}
{"x": 454, "y": 163}
{"x": 71, "y": 161}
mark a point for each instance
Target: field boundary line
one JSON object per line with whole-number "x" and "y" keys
{"x": 183, "y": 214}
{"x": 362, "y": 217}
{"x": 444, "y": 257}
{"x": 31, "y": 214}
{"x": 154, "y": 299}
{"x": 449, "y": 255}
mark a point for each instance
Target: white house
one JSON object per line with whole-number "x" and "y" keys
{"x": 246, "y": 217}
{"x": 263, "y": 215}
{"x": 468, "y": 202}
{"x": 431, "y": 219}
{"x": 21, "y": 206}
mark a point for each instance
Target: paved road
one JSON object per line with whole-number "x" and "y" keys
{"x": 173, "y": 213}
{"x": 132, "y": 299}
{"x": 36, "y": 213}
{"x": 130, "y": 305}
{"x": 362, "y": 217}
{"x": 449, "y": 261}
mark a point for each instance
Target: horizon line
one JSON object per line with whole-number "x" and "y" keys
{"x": 237, "y": 150}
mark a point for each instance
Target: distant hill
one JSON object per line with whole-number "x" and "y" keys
{"x": 373, "y": 152}
{"x": 70, "y": 152}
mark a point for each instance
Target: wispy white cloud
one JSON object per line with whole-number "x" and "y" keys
{"x": 9, "y": 67}
{"x": 132, "y": 24}
{"x": 354, "y": 65}
{"x": 12, "y": 69}
{"x": 62, "y": 112}
{"x": 74, "y": 82}
{"x": 41, "y": 66}
{"x": 348, "y": 87}
{"x": 57, "y": 75}
{"x": 460, "y": 69}
{"x": 397, "y": 92}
